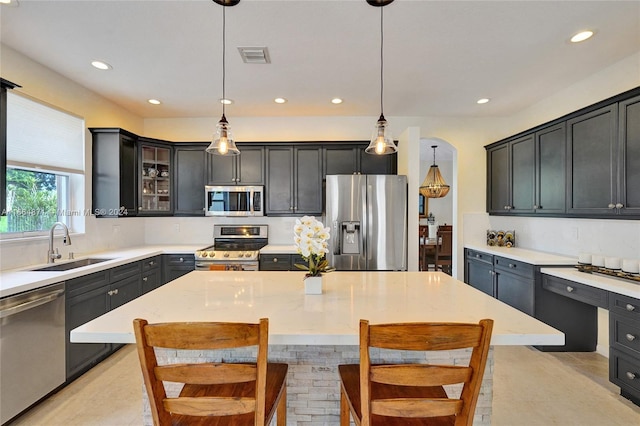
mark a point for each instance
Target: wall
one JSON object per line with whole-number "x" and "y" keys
{"x": 44, "y": 85}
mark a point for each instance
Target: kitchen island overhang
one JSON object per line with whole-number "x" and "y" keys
{"x": 315, "y": 333}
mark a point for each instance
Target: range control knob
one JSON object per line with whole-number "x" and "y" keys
{"x": 203, "y": 254}
{"x": 248, "y": 254}
{"x": 226, "y": 254}
{"x": 212, "y": 254}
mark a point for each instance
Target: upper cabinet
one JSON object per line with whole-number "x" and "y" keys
{"x": 244, "y": 169}
{"x": 155, "y": 196}
{"x": 294, "y": 180}
{"x": 114, "y": 172}
{"x": 350, "y": 158}
{"x": 581, "y": 165}
{"x": 189, "y": 178}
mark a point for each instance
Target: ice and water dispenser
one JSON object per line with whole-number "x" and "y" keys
{"x": 350, "y": 237}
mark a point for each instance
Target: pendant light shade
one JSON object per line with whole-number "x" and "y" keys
{"x": 434, "y": 185}
{"x": 223, "y": 143}
{"x": 381, "y": 139}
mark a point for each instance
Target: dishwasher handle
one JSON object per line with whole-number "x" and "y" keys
{"x": 48, "y": 297}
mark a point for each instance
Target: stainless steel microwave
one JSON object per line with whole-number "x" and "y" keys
{"x": 234, "y": 200}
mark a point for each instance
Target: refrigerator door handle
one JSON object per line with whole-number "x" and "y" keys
{"x": 336, "y": 238}
{"x": 368, "y": 214}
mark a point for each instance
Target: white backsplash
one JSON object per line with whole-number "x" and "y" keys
{"x": 609, "y": 237}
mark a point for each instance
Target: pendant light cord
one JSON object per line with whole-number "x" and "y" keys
{"x": 224, "y": 51}
{"x": 381, "y": 60}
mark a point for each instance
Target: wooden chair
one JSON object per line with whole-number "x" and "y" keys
{"x": 444, "y": 250}
{"x": 427, "y": 253}
{"x": 413, "y": 394}
{"x": 214, "y": 393}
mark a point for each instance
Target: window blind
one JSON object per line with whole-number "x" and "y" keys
{"x": 42, "y": 136}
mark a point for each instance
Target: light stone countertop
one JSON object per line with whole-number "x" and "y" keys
{"x": 328, "y": 319}
{"x": 279, "y": 249}
{"x": 24, "y": 279}
{"x": 524, "y": 255}
{"x": 605, "y": 282}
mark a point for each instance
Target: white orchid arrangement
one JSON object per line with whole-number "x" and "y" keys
{"x": 311, "y": 238}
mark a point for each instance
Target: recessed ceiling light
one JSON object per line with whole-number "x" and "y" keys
{"x": 280, "y": 100}
{"x": 101, "y": 65}
{"x": 336, "y": 101}
{"x": 581, "y": 36}
{"x": 226, "y": 101}
{"x": 154, "y": 101}
{"x": 9, "y": 2}
{"x": 482, "y": 101}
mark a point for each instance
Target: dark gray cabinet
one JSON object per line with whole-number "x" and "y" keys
{"x": 350, "y": 158}
{"x": 624, "y": 345}
{"x": 189, "y": 179}
{"x": 592, "y": 168}
{"x": 4, "y": 86}
{"x": 550, "y": 170}
{"x": 176, "y": 265}
{"x": 155, "y": 188}
{"x": 151, "y": 274}
{"x": 115, "y": 180}
{"x": 280, "y": 262}
{"x": 294, "y": 180}
{"x": 629, "y": 157}
{"x": 244, "y": 169}
{"x": 508, "y": 280}
{"x": 87, "y": 298}
{"x": 498, "y": 185}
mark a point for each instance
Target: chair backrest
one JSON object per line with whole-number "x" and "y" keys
{"x": 423, "y": 337}
{"x": 202, "y": 336}
{"x": 423, "y": 234}
{"x": 445, "y": 244}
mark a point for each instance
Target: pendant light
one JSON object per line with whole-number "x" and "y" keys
{"x": 434, "y": 185}
{"x": 223, "y": 143}
{"x": 381, "y": 140}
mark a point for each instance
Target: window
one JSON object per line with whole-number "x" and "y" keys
{"x": 45, "y": 169}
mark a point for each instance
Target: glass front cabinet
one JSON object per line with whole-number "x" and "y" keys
{"x": 155, "y": 176}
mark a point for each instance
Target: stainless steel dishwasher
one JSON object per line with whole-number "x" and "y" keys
{"x": 32, "y": 348}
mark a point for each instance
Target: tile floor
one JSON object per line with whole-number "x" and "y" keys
{"x": 530, "y": 388}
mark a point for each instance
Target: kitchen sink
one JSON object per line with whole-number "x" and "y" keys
{"x": 72, "y": 265}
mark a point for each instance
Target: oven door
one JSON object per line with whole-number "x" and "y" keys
{"x": 204, "y": 265}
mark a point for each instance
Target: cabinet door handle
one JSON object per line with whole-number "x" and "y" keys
{"x": 181, "y": 260}
{"x": 630, "y": 375}
{"x": 535, "y": 206}
{"x": 630, "y": 307}
{"x": 630, "y": 337}
{"x": 152, "y": 263}
{"x": 115, "y": 291}
{"x": 612, "y": 206}
{"x": 511, "y": 265}
{"x": 569, "y": 288}
{"x": 110, "y": 293}
{"x": 478, "y": 256}
{"x": 145, "y": 278}
{"x": 619, "y": 206}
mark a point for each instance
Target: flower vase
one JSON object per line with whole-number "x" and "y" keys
{"x": 313, "y": 285}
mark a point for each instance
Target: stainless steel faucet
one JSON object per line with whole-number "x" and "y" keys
{"x": 51, "y": 255}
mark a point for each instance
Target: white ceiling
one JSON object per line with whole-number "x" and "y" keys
{"x": 440, "y": 56}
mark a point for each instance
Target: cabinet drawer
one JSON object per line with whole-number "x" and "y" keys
{"x": 150, "y": 280}
{"x": 624, "y": 305}
{"x": 275, "y": 262}
{"x": 624, "y": 371}
{"x": 583, "y": 293}
{"x": 86, "y": 283}
{"x": 121, "y": 272}
{"x": 179, "y": 260}
{"x": 480, "y": 256}
{"x": 526, "y": 270}
{"x": 151, "y": 263}
{"x": 624, "y": 333}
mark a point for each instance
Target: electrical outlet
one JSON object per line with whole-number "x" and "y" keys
{"x": 176, "y": 227}
{"x": 116, "y": 229}
{"x": 574, "y": 232}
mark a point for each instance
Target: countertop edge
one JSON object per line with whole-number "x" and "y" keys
{"x": 533, "y": 257}
{"x": 615, "y": 285}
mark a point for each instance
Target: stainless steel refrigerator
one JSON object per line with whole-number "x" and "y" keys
{"x": 367, "y": 215}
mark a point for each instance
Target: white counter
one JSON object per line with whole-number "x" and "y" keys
{"x": 279, "y": 249}
{"x": 328, "y": 319}
{"x": 525, "y": 255}
{"x": 605, "y": 282}
{"x": 18, "y": 280}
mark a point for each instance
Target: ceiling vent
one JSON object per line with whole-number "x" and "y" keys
{"x": 254, "y": 55}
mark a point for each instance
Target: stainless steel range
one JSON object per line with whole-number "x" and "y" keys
{"x": 235, "y": 248}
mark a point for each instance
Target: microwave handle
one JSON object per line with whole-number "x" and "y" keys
{"x": 251, "y": 194}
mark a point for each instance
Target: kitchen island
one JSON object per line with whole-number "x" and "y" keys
{"x": 315, "y": 333}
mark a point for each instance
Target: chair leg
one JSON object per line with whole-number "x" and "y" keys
{"x": 281, "y": 411}
{"x": 344, "y": 409}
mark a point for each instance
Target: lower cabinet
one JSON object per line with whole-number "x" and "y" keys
{"x": 151, "y": 273}
{"x": 176, "y": 265}
{"x": 510, "y": 281}
{"x": 624, "y": 345}
{"x": 280, "y": 262}
{"x": 87, "y": 298}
